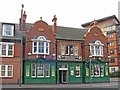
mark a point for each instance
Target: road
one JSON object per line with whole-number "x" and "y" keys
{"x": 114, "y": 83}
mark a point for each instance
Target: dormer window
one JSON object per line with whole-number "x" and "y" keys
{"x": 41, "y": 45}
{"x": 8, "y": 30}
{"x": 96, "y": 49}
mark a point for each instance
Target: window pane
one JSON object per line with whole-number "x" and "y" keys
{"x": 9, "y": 73}
{"x": 2, "y": 68}
{"x": 9, "y": 67}
{"x": 33, "y": 70}
{"x": 67, "y": 49}
{"x": 97, "y": 70}
{"x": 47, "y": 70}
{"x": 76, "y": 49}
{"x": 62, "y": 49}
{"x": 3, "y": 49}
{"x": 2, "y": 73}
{"x": 40, "y": 70}
{"x": 77, "y": 70}
{"x": 102, "y": 70}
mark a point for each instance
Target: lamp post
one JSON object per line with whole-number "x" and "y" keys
{"x": 90, "y": 71}
{"x": 21, "y": 47}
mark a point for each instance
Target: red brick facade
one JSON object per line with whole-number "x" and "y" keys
{"x": 95, "y": 34}
{"x": 40, "y": 28}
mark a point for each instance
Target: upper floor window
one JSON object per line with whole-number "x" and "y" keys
{"x": 111, "y": 51}
{"x": 111, "y": 35}
{"x": 111, "y": 43}
{"x": 8, "y": 30}
{"x": 110, "y": 28}
{"x": 40, "y": 45}
{"x": 6, "y": 70}
{"x": 71, "y": 49}
{"x": 96, "y": 48}
{"x": 6, "y": 49}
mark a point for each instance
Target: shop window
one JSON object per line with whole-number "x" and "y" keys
{"x": 96, "y": 70}
{"x": 102, "y": 70}
{"x": 40, "y": 70}
{"x": 33, "y": 70}
{"x": 6, "y": 70}
{"x": 92, "y": 70}
{"x": 47, "y": 70}
{"x": 6, "y": 49}
{"x": 27, "y": 70}
{"x": 77, "y": 70}
{"x": 8, "y": 30}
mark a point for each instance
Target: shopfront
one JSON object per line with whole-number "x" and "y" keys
{"x": 69, "y": 71}
{"x": 39, "y": 70}
{"x": 98, "y": 72}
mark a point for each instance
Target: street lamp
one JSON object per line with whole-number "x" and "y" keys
{"x": 90, "y": 70}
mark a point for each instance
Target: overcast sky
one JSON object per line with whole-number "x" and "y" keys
{"x": 70, "y": 13}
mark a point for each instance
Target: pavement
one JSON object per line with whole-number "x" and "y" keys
{"x": 114, "y": 83}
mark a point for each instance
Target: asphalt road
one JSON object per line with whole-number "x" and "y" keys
{"x": 113, "y": 84}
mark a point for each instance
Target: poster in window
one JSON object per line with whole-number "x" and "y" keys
{"x": 53, "y": 70}
{"x": 102, "y": 70}
{"x": 87, "y": 71}
{"x": 71, "y": 70}
{"x": 92, "y": 70}
{"x": 106, "y": 70}
{"x": 96, "y": 70}
{"x": 27, "y": 70}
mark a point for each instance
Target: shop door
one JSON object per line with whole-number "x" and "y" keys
{"x": 63, "y": 76}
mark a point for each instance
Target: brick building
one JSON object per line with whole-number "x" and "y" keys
{"x": 9, "y": 53}
{"x": 108, "y": 25}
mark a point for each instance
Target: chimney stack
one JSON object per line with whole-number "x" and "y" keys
{"x": 23, "y": 20}
{"x": 54, "y": 24}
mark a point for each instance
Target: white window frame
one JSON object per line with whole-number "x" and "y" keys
{"x": 112, "y": 43}
{"x": 62, "y": 49}
{"x": 4, "y": 30}
{"x": 6, "y": 70}
{"x": 41, "y": 70}
{"x": 102, "y": 67}
{"x": 7, "y": 49}
{"x": 48, "y": 70}
{"x": 41, "y": 39}
{"x": 95, "y": 65}
{"x": 78, "y": 69}
{"x": 32, "y": 70}
{"x": 94, "y": 49}
{"x": 111, "y": 35}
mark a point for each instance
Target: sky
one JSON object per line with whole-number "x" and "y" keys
{"x": 69, "y": 13}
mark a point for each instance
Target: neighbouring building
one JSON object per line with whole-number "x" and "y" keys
{"x": 9, "y": 53}
{"x": 108, "y": 25}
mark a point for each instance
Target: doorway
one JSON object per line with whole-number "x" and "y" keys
{"x": 62, "y": 76}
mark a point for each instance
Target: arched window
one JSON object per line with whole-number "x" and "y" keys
{"x": 96, "y": 48}
{"x": 40, "y": 45}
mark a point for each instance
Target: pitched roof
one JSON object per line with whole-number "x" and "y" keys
{"x": 68, "y": 33}
{"x": 102, "y": 19}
